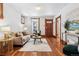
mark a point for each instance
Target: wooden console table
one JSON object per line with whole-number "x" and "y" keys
{"x": 6, "y": 45}
{"x": 72, "y": 35}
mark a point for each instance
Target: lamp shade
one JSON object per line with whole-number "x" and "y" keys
{"x": 25, "y": 28}
{"x": 4, "y": 29}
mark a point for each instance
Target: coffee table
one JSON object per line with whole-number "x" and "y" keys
{"x": 35, "y": 37}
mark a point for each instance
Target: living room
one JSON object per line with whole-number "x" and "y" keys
{"x": 24, "y": 23}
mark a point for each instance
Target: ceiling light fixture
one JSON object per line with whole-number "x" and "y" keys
{"x": 38, "y": 8}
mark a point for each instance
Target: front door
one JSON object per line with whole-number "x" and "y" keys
{"x": 49, "y": 27}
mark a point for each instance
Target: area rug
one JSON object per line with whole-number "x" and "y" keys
{"x": 37, "y": 47}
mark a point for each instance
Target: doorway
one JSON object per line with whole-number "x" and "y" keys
{"x": 58, "y": 27}
{"x": 48, "y": 27}
{"x": 35, "y": 24}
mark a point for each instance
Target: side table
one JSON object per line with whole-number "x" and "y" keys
{"x": 6, "y": 45}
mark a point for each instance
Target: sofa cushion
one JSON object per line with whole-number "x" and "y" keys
{"x": 21, "y": 40}
{"x": 24, "y": 33}
{"x": 18, "y": 34}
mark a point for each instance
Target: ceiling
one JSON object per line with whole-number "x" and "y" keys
{"x": 39, "y": 9}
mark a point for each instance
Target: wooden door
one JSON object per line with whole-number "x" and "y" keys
{"x": 49, "y": 27}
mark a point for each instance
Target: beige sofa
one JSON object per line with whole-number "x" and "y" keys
{"x": 21, "y": 40}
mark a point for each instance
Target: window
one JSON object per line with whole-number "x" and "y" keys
{"x": 35, "y": 24}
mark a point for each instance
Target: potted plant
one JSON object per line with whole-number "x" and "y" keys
{"x": 67, "y": 26}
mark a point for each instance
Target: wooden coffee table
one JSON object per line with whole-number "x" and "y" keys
{"x": 36, "y": 37}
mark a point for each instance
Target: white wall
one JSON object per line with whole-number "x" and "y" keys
{"x": 11, "y": 18}
{"x": 42, "y": 24}
{"x": 69, "y": 12}
{"x": 28, "y": 24}
{"x": 54, "y": 26}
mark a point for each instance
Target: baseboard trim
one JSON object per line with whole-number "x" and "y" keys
{"x": 63, "y": 42}
{"x": 43, "y": 35}
{"x": 49, "y": 36}
{"x": 54, "y": 36}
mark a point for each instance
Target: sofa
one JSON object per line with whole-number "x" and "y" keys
{"x": 20, "y": 39}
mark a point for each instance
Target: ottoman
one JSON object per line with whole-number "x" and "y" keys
{"x": 70, "y": 50}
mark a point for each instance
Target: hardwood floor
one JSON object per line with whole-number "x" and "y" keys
{"x": 54, "y": 43}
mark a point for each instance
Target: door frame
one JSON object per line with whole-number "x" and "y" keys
{"x": 60, "y": 26}
{"x": 52, "y": 25}
{"x": 36, "y": 18}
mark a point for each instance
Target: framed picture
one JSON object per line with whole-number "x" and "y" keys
{"x": 1, "y": 10}
{"x": 22, "y": 19}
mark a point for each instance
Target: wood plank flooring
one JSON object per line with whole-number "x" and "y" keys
{"x": 54, "y": 43}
